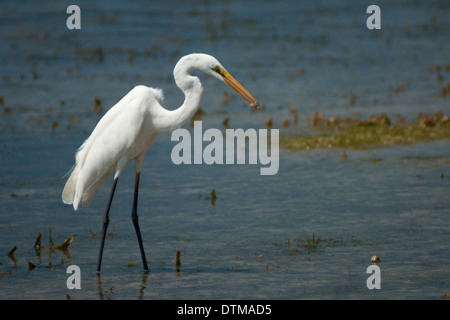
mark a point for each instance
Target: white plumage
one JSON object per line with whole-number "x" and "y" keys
{"x": 129, "y": 129}
{"x": 118, "y": 138}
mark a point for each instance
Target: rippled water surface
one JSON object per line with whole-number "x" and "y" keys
{"x": 307, "y": 232}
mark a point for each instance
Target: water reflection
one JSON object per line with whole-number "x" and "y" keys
{"x": 141, "y": 289}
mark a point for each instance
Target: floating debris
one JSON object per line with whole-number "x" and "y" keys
{"x": 225, "y": 122}
{"x": 255, "y": 106}
{"x": 343, "y": 156}
{"x": 294, "y": 112}
{"x": 375, "y": 260}
{"x": 225, "y": 100}
{"x": 269, "y": 122}
{"x": 54, "y": 125}
{"x": 31, "y": 266}
{"x": 445, "y": 91}
{"x": 6, "y": 111}
{"x": 197, "y": 116}
{"x": 97, "y": 106}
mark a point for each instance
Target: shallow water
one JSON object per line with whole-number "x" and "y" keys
{"x": 307, "y": 232}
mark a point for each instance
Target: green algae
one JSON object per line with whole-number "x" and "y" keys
{"x": 373, "y": 132}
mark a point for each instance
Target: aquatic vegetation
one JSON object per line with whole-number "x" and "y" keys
{"x": 178, "y": 260}
{"x": 372, "y": 132}
{"x": 64, "y": 246}
{"x": 37, "y": 243}
{"x": 310, "y": 245}
{"x": 212, "y": 198}
{"x": 39, "y": 248}
{"x": 11, "y": 252}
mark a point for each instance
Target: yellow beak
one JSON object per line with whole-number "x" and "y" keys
{"x": 229, "y": 80}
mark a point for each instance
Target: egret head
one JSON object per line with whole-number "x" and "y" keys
{"x": 213, "y": 67}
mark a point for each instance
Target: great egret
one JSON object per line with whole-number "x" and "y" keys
{"x": 129, "y": 129}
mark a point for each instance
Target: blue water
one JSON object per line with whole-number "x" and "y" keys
{"x": 256, "y": 240}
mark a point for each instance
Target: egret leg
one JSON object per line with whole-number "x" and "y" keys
{"x": 134, "y": 217}
{"x": 105, "y": 224}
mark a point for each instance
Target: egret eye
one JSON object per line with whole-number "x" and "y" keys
{"x": 218, "y": 69}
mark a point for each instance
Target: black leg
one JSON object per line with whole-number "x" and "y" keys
{"x": 105, "y": 225}
{"x": 134, "y": 217}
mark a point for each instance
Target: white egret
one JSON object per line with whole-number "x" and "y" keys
{"x": 128, "y": 130}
